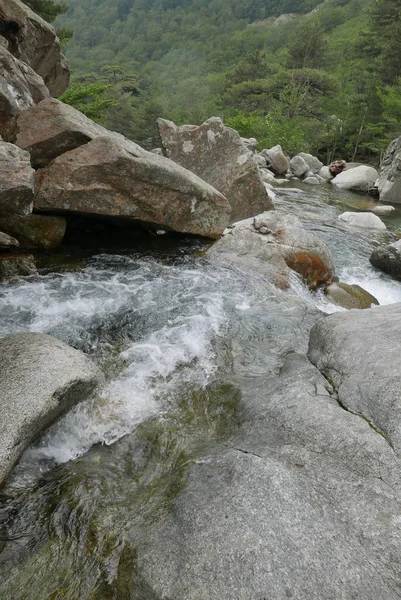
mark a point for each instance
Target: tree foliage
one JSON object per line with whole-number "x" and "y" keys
{"x": 329, "y": 81}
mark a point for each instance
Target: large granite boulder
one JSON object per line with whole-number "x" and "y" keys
{"x": 349, "y": 296}
{"x": 16, "y": 180}
{"x": 52, "y": 128}
{"x": 313, "y": 162}
{"x": 113, "y": 177}
{"x": 358, "y": 351}
{"x": 35, "y": 231}
{"x": 302, "y": 504}
{"x": 388, "y": 259}
{"x": 217, "y": 155}
{"x": 363, "y": 220}
{"x": 20, "y": 88}
{"x": 34, "y": 42}
{"x": 390, "y": 174}
{"x": 273, "y": 243}
{"x": 360, "y": 178}
{"x": 40, "y": 378}
{"x": 276, "y": 159}
{"x": 298, "y": 166}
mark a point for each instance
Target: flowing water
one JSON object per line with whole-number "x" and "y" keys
{"x": 175, "y": 336}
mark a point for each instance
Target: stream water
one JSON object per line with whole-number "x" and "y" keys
{"x": 175, "y": 336}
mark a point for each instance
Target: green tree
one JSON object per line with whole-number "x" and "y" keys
{"x": 47, "y": 9}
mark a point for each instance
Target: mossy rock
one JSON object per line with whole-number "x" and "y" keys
{"x": 349, "y": 296}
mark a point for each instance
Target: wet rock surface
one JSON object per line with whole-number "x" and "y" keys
{"x": 277, "y": 243}
{"x": 349, "y": 296}
{"x": 390, "y": 180}
{"x": 15, "y": 266}
{"x": 388, "y": 259}
{"x": 276, "y": 512}
{"x": 217, "y": 155}
{"x": 40, "y": 377}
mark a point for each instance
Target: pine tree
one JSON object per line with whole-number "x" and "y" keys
{"x": 47, "y": 9}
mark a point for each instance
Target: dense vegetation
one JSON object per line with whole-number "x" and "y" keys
{"x": 328, "y": 82}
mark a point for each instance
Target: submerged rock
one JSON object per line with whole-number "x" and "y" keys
{"x": 388, "y": 259}
{"x": 217, "y": 155}
{"x": 34, "y": 42}
{"x": 364, "y": 220}
{"x": 349, "y": 296}
{"x": 40, "y": 378}
{"x": 360, "y": 178}
{"x": 16, "y": 181}
{"x": 278, "y": 243}
{"x": 113, "y": 177}
{"x": 35, "y": 231}
{"x": 359, "y": 351}
{"x": 383, "y": 211}
{"x": 14, "y": 266}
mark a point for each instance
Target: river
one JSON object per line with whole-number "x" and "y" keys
{"x": 176, "y": 337}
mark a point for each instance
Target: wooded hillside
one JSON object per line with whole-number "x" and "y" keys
{"x": 326, "y": 81}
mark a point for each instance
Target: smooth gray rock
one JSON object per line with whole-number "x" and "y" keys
{"x": 303, "y": 503}
{"x": 277, "y": 243}
{"x": 20, "y": 88}
{"x": 358, "y": 351}
{"x": 16, "y": 181}
{"x": 325, "y": 174}
{"x": 260, "y": 160}
{"x": 40, "y": 378}
{"x": 217, "y": 155}
{"x": 360, "y": 178}
{"x": 298, "y": 166}
{"x": 313, "y": 162}
{"x": 383, "y": 211}
{"x": 363, "y": 220}
{"x": 311, "y": 181}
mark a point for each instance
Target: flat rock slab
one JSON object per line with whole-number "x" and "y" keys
{"x": 34, "y": 41}
{"x": 358, "y": 351}
{"x": 20, "y": 88}
{"x": 113, "y": 177}
{"x": 217, "y": 154}
{"x": 40, "y": 378}
{"x": 35, "y": 231}
{"x": 349, "y": 296}
{"x": 16, "y": 180}
{"x": 303, "y": 503}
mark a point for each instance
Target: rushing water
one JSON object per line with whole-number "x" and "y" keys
{"x": 175, "y": 336}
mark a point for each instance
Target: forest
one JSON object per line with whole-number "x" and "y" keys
{"x": 323, "y": 77}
